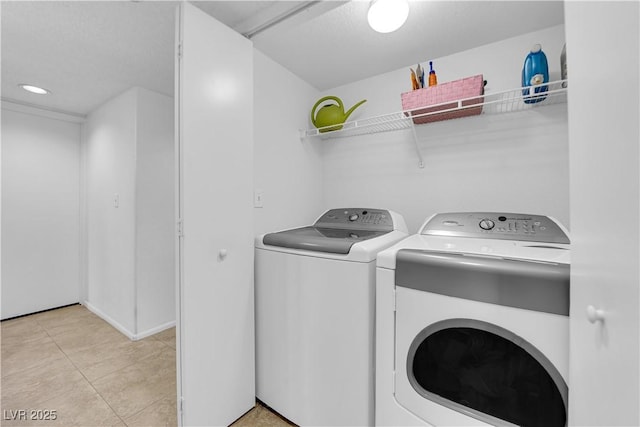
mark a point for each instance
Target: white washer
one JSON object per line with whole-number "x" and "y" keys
{"x": 315, "y": 302}
{"x": 472, "y": 323}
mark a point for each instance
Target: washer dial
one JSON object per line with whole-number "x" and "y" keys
{"x": 487, "y": 224}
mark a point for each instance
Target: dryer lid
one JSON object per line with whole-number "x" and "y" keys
{"x": 320, "y": 239}
{"x": 336, "y": 231}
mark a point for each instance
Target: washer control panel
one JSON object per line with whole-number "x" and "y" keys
{"x": 357, "y": 218}
{"x": 505, "y": 226}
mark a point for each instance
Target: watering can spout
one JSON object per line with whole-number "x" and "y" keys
{"x": 350, "y": 110}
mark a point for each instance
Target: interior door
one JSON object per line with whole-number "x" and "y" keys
{"x": 214, "y": 95}
{"x": 604, "y": 381}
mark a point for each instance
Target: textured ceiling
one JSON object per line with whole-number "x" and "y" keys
{"x": 87, "y": 52}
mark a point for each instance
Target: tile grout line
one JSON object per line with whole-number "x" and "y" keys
{"x": 149, "y": 356}
{"x": 26, "y": 368}
{"x": 165, "y": 397}
{"x": 145, "y": 408}
{"x": 81, "y": 373}
{"x": 42, "y": 325}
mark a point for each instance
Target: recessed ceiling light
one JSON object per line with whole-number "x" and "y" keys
{"x": 34, "y": 89}
{"x": 386, "y": 16}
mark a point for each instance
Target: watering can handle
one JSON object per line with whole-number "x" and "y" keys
{"x": 320, "y": 101}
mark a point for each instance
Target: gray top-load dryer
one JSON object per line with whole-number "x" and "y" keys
{"x": 314, "y": 308}
{"x": 336, "y": 231}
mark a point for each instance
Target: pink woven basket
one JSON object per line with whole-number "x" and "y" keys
{"x": 439, "y": 96}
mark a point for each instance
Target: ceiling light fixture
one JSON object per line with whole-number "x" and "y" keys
{"x": 386, "y": 16}
{"x": 35, "y": 89}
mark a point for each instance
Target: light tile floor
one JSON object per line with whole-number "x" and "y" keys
{"x": 72, "y": 362}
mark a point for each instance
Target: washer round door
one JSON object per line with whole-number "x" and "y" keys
{"x": 486, "y": 372}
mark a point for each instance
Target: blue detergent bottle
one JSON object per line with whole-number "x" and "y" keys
{"x": 535, "y": 72}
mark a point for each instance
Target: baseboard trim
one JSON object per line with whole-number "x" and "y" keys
{"x": 155, "y": 330}
{"x": 125, "y": 331}
{"x": 110, "y": 320}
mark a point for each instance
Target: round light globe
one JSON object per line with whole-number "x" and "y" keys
{"x": 386, "y": 16}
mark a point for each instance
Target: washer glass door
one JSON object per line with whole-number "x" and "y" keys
{"x": 488, "y": 373}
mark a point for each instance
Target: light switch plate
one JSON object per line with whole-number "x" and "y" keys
{"x": 258, "y": 199}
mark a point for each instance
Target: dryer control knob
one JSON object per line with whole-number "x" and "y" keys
{"x": 354, "y": 217}
{"x": 487, "y": 224}
{"x": 594, "y": 315}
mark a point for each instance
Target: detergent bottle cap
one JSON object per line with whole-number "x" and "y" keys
{"x": 536, "y": 48}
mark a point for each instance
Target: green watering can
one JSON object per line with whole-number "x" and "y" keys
{"x": 331, "y": 114}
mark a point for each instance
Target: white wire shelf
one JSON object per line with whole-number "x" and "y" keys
{"x": 492, "y": 103}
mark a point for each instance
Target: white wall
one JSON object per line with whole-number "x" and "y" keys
{"x": 110, "y": 144}
{"x": 155, "y": 225}
{"x": 129, "y": 151}
{"x": 516, "y": 162}
{"x": 40, "y": 213}
{"x": 287, "y": 170}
